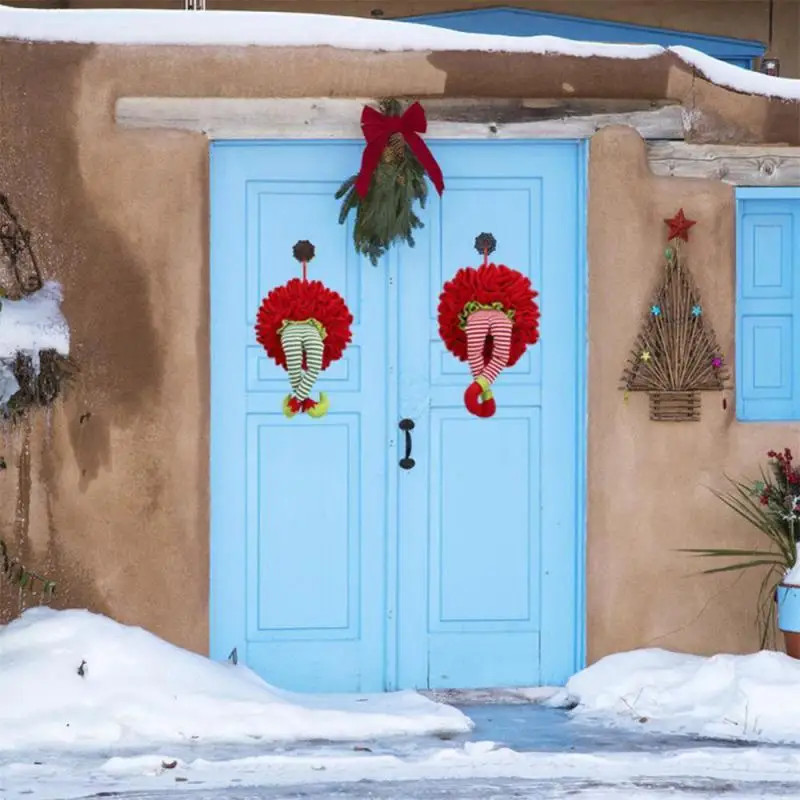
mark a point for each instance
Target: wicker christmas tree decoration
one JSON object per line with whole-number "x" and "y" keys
{"x": 676, "y": 355}
{"x": 391, "y": 179}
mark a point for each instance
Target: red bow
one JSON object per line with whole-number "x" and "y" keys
{"x": 378, "y": 128}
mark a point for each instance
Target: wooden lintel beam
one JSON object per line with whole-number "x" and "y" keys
{"x": 338, "y": 118}
{"x": 740, "y": 165}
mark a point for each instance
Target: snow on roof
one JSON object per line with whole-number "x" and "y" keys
{"x": 278, "y": 29}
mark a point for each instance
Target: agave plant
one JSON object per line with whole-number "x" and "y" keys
{"x": 772, "y": 505}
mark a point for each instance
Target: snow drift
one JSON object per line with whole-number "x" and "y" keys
{"x": 753, "y": 697}
{"x": 137, "y": 688}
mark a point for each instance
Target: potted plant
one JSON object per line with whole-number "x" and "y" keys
{"x": 772, "y": 505}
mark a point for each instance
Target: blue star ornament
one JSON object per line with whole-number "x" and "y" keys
{"x": 696, "y": 311}
{"x": 655, "y": 310}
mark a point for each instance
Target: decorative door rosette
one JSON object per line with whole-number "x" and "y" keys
{"x": 304, "y": 327}
{"x": 487, "y": 316}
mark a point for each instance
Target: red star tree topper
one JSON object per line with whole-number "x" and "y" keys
{"x": 679, "y": 226}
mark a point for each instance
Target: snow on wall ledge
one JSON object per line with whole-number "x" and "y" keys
{"x": 277, "y": 29}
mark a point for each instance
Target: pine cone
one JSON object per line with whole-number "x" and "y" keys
{"x": 397, "y": 144}
{"x": 395, "y": 151}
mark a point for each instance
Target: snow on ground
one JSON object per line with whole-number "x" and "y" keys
{"x": 753, "y": 697}
{"x": 137, "y": 688}
{"x": 146, "y": 716}
{"x": 278, "y": 29}
{"x": 46, "y": 776}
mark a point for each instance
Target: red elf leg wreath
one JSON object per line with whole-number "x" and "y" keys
{"x": 304, "y": 326}
{"x": 487, "y": 316}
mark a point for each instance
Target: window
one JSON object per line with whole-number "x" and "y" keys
{"x": 767, "y": 304}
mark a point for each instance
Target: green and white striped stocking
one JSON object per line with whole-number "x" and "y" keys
{"x": 298, "y": 338}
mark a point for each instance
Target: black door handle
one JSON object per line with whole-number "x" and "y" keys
{"x": 407, "y": 425}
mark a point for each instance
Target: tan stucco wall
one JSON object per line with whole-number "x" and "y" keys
{"x": 648, "y": 482}
{"x": 115, "y": 505}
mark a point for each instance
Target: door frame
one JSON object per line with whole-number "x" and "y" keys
{"x": 290, "y": 126}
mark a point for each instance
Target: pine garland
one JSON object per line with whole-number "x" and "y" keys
{"x": 386, "y": 214}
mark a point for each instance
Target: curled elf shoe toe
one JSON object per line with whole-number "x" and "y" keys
{"x": 488, "y": 405}
{"x": 472, "y": 398}
{"x": 291, "y": 406}
{"x": 319, "y": 409}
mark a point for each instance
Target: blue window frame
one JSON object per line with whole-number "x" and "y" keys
{"x": 521, "y": 22}
{"x": 767, "y": 304}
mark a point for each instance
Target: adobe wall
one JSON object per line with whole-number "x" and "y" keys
{"x": 648, "y": 481}
{"x": 111, "y": 495}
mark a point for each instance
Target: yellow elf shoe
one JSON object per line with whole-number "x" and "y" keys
{"x": 319, "y": 409}
{"x": 290, "y": 406}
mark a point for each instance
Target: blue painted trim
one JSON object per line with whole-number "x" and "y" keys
{"x": 222, "y": 592}
{"x": 582, "y": 422}
{"x": 391, "y": 668}
{"x": 737, "y": 325}
{"x": 766, "y": 193}
{"x": 522, "y": 22}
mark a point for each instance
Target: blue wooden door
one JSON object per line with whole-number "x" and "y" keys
{"x": 332, "y": 569}
{"x": 490, "y": 516}
{"x": 298, "y": 505}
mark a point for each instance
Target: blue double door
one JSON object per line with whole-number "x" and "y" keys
{"x": 334, "y": 569}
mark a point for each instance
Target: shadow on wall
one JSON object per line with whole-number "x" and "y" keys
{"x": 106, "y": 301}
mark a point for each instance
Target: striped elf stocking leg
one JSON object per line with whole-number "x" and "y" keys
{"x": 303, "y": 339}
{"x": 478, "y": 397}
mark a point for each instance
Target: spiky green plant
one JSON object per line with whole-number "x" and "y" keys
{"x": 17, "y": 575}
{"x": 772, "y": 506}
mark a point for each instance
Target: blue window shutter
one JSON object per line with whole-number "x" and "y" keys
{"x": 767, "y": 310}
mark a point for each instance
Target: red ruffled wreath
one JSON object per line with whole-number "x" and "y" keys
{"x": 299, "y": 300}
{"x": 490, "y": 283}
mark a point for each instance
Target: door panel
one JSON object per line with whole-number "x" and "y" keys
{"x": 298, "y": 505}
{"x": 489, "y": 516}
